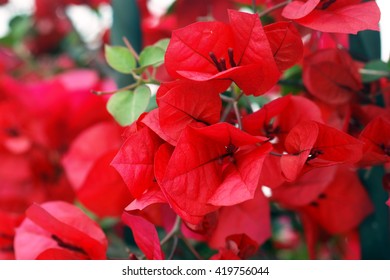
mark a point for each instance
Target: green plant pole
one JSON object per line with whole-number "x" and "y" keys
{"x": 375, "y": 230}
{"x": 126, "y": 23}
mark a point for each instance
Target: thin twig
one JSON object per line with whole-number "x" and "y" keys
{"x": 226, "y": 112}
{"x": 238, "y": 114}
{"x": 129, "y": 87}
{"x": 192, "y": 249}
{"x": 174, "y": 231}
{"x": 130, "y": 47}
{"x": 174, "y": 247}
{"x": 374, "y": 72}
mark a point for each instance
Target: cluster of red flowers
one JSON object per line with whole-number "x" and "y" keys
{"x": 205, "y": 164}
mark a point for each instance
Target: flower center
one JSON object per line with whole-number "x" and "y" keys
{"x": 313, "y": 154}
{"x": 221, "y": 63}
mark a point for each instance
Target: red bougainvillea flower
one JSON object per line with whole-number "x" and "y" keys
{"x": 145, "y": 235}
{"x": 343, "y": 204}
{"x": 185, "y": 102}
{"x": 332, "y": 76}
{"x": 376, "y": 137}
{"x": 345, "y": 16}
{"x": 275, "y": 119}
{"x": 238, "y": 52}
{"x": 221, "y": 157}
{"x": 286, "y": 43}
{"x": 58, "y": 230}
{"x": 305, "y": 189}
{"x": 135, "y": 159}
{"x": 247, "y": 224}
{"x": 311, "y": 144}
{"x": 98, "y": 186}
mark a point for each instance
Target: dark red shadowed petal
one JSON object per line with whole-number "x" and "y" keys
{"x": 343, "y": 205}
{"x": 331, "y": 76}
{"x": 376, "y": 137}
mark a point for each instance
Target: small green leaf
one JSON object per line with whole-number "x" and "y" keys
{"x": 151, "y": 56}
{"x": 163, "y": 44}
{"x": 375, "y": 70}
{"x": 292, "y": 80}
{"x": 120, "y": 58}
{"x": 127, "y": 106}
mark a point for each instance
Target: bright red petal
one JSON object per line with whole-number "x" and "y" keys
{"x": 286, "y": 44}
{"x": 135, "y": 160}
{"x": 145, "y": 235}
{"x": 251, "y": 218}
{"x": 104, "y": 191}
{"x": 59, "y": 225}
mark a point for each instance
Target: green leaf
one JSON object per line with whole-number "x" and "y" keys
{"x": 151, "y": 56}
{"x": 292, "y": 81}
{"x": 375, "y": 70}
{"x": 120, "y": 58}
{"x": 163, "y": 44}
{"x": 127, "y": 106}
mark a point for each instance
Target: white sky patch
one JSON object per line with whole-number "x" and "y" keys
{"x": 89, "y": 24}
{"x": 384, "y": 6}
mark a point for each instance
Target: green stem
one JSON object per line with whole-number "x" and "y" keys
{"x": 174, "y": 231}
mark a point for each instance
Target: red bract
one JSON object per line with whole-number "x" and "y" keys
{"x": 311, "y": 144}
{"x": 286, "y": 43}
{"x": 135, "y": 160}
{"x": 346, "y": 16}
{"x": 182, "y": 103}
{"x": 376, "y": 137}
{"x": 221, "y": 157}
{"x": 58, "y": 230}
{"x": 332, "y": 76}
{"x": 304, "y": 190}
{"x": 190, "y": 11}
{"x": 275, "y": 119}
{"x": 343, "y": 205}
{"x": 85, "y": 150}
{"x": 145, "y": 235}
{"x": 238, "y": 51}
{"x": 250, "y": 220}
{"x": 103, "y": 191}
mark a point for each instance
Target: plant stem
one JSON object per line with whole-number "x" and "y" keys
{"x": 130, "y": 47}
{"x": 132, "y": 86}
{"x": 238, "y": 114}
{"x": 273, "y": 8}
{"x": 226, "y": 112}
{"x": 174, "y": 231}
{"x": 254, "y": 7}
{"x": 374, "y": 72}
{"x": 192, "y": 249}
